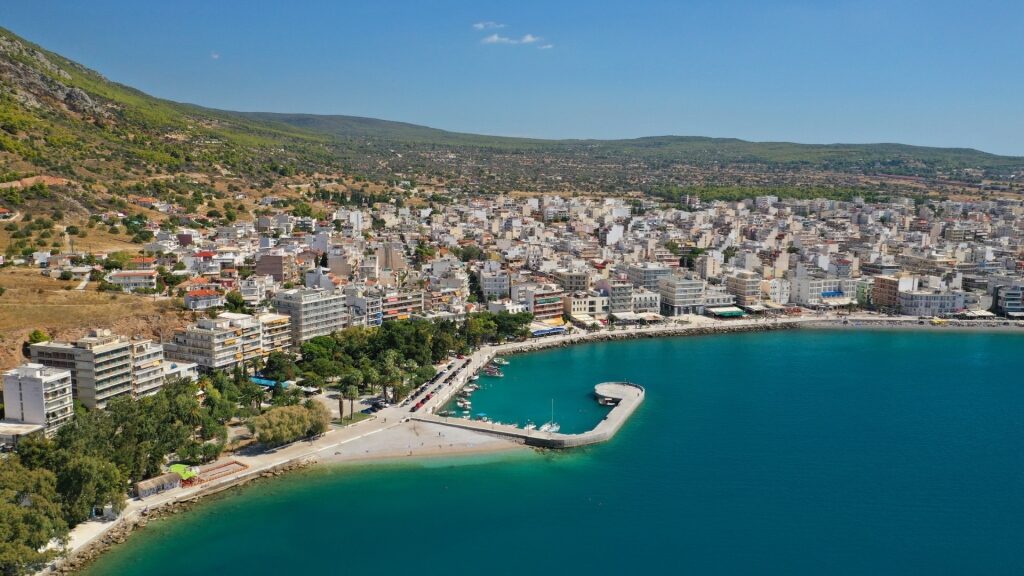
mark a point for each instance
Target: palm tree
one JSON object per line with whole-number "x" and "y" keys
{"x": 351, "y": 393}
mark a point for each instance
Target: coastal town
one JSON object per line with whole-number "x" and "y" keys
{"x": 264, "y": 287}
{"x": 265, "y": 295}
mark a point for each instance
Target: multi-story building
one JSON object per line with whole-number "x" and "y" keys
{"x": 1010, "y": 300}
{"x": 619, "y": 293}
{"x": 682, "y": 294}
{"x": 364, "y": 306}
{"x": 590, "y": 303}
{"x": 100, "y": 365}
{"x": 931, "y": 302}
{"x": 38, "y": 394}
{"x": 495, "y": 284}
{"x": 745, "y": 286}
{"x": 210, "y": 343}
{"x": 147, "y": 368}
{"x": 647, "y": 274}
{"x": 280, "y": 265}
{"x": 885, "y": 294}
{"x": 313, "y": 312}
{"x": 401, "y": 305}
{"x": 572, "y": 280}
{"x": 819, "y": 290}
{"x": 544, "y": 301}
{"x": 255, "y": 289}
{"x": 276, "y": 334}
{"x": 249, "y": 332}
{"x": 646, "y": 301}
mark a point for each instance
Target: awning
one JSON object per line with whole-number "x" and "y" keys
{"x": 727, "y": 312}
{"x": 837, "y": 301}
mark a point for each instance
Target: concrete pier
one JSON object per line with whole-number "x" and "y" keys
{"x": 626, "y": 396}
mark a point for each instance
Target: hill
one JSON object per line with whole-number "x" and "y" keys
{"x": 59, "y": 119}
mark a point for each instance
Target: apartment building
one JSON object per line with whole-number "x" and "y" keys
{"x": 682, "y": 294}
{"x": 544, "y": 301}
{"x": 1010, "y": 300}
{"x": 401, "y": 305}
{"x": 38, "y": 394}
{"x": 364, "y": 306}
{"x": 820, "y": 290}
{"x": 647, "y": 274}
{"x": 745, "y": 286}
{"x": 210, "y": 343}
{"x": 590, "y": 303}
{"x": 147, "y": 368}
{"x": 645, "y": 301}
{"x": 885, "y": 293}
{"x": 281, "y": 266}
{"x": 249, "y": 332}
{"x": 572, "y": 280}
{"x": 495, "y": 284}
{"x": 100, "y": 365}
{"x": 931, "y": 302}
{"x": 276, "y": 332}
{"x": 313, "y": 312}
{"x": 619, "y": 292}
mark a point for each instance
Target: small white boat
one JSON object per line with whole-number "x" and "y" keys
{"x": 530, "y": 426}
{"x": 500, "y": 361}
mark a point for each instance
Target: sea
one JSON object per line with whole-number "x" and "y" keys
{"x": 789, "y": 453}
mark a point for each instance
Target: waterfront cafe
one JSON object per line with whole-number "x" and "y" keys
{"x": 725, "y": 312}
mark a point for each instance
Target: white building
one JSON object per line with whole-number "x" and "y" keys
{"x": 931, "y": 302}
{"x": 37, "y": 394}
{"x": 681, "y": 294}
{"x": 313, "y": 312}
{"x": 100, "y": 365}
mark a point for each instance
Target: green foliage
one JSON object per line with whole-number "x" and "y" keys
{"x": 289, "y": 423}
{"x": 30, "y": 517}
{"x": 37, "y": 336}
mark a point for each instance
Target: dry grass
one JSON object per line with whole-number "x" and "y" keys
{"x": 32, "y": 301}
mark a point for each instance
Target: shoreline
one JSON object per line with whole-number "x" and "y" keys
{"x": 339, "y": 447}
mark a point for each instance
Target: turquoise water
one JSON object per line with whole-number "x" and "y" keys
{"x": 779, "y": 453}
{"x": 535, "y": 385}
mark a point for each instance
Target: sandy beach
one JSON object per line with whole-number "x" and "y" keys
{"x": 415, "y": 440}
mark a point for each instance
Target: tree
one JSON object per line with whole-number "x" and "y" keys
{"x": 350, "y": 393}
{"x": 289, "y": 423}
{"x": 38, "y": 336}
{"x": 30, "y": 517}
{"x": 234, "y": 302}
{"x": 88, "y": 482}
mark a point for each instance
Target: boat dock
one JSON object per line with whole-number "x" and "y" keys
{"x": 624, "y": 397}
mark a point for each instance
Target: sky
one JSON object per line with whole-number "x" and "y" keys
{"x": 936, "y": 72}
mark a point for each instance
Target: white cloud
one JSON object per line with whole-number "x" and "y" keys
{"x": 214, "y": 55}
{"x": 488, "y": 25}
{"x": 546, "y": 47}
{"x": 499, "y": 39}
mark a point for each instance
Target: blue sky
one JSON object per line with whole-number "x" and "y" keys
{"x": 920, "y": 72}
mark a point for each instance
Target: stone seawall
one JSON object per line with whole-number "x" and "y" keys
{"x": 628, "y": 395}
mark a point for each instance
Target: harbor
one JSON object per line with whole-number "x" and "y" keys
{"x": 623, "y": 397}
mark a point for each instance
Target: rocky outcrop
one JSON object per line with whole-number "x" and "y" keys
{"x": 34, "y": 81}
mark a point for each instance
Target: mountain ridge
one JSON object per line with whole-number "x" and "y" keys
{"x": 60, "y": 118}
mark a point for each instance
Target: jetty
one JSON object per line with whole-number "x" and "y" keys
{"x": 624, "y": 397}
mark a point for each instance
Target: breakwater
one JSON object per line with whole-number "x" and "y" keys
{"x": 626, "y": 397}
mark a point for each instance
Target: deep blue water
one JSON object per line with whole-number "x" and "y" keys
{"x": 784, "y": 453}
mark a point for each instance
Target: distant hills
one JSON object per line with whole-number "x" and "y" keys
{"x": 58, "y": 118}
